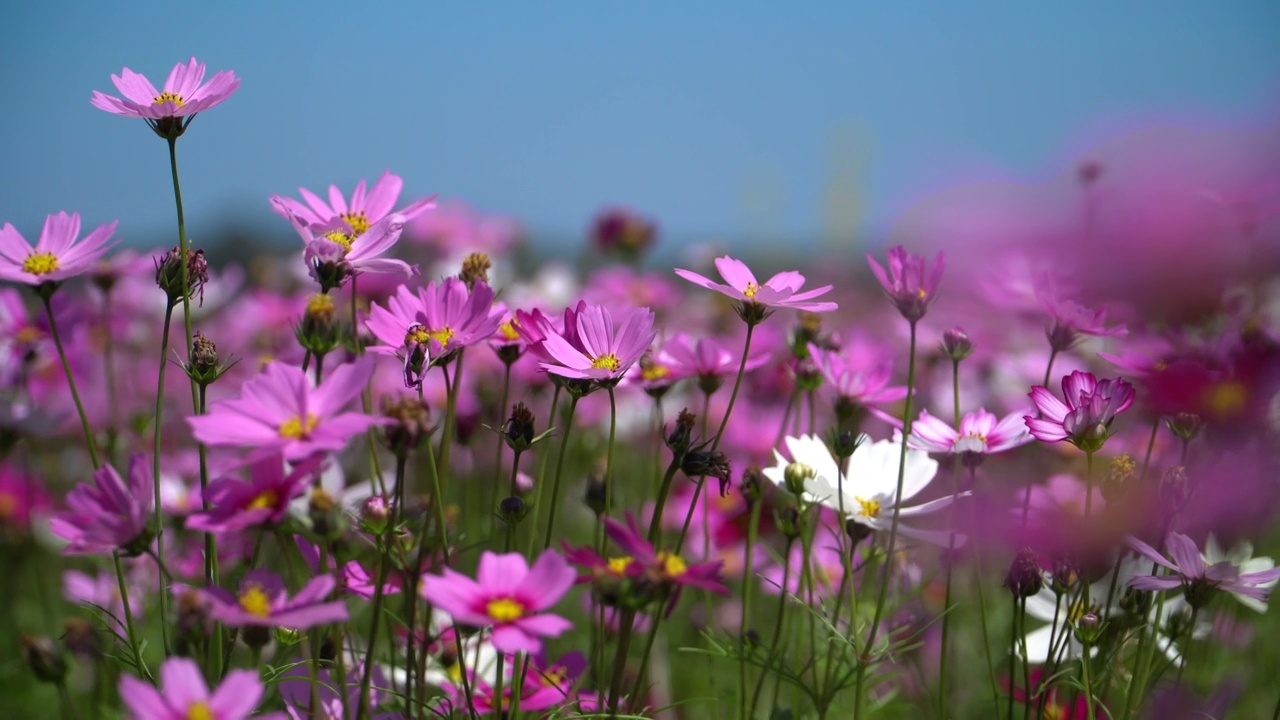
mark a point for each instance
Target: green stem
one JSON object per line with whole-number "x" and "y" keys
{"x": 155, "y": 465}
{"x": 778, "y": 622}
{"x": 620, "y": 660}
{"x": 542, "y": 471}
{"x": 951, "y": 546}
{"x": 753, "y": 527}
{"x": 608, "y": 458}
{"x": 47, "y": 296}
{"x": 555, "y": 483}
{"x": 128, "y": 616}
{"x": 384, "y": 560}
{"x": 183, "y": 245}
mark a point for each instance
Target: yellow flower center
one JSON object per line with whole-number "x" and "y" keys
{"x": 655, "y": 372}
{"x": 869, "y": 508}
{"x": 8, "y": 505}
{"x": 504, "y": 610}
{"x": 554, "y": 677}
{"x": 508, "y": 330}
{"x": 673, "y": 565}
{"x": 442, "y": 336}
{"x": 29, "y": 334}
{"x": 751, "y": 290}
{"x": 1227, "y": 398}
{"x": 319, "y": 303}
{"x": 921, "y": 294}
{"x": 41, "y": 263}
{"x": 340, "y": 238}
{"x": 199, "y": 710}
{"x": 255, "y": 601}
{"x": 608, "y": 362}
{"x": 1053, "y": 712}
{"x": 266, "y": 499}
{"x": 167, "y": 96}
{"x": 359, "y": 222}
{"x": 293, "y": 428}
{"x": 619, "y": 565}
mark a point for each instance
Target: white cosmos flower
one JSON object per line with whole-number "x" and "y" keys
{"x": 1241, "y": 556}
{"x": 867, "y": 491}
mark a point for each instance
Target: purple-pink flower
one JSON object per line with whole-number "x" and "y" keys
{"x": 57, "y": 255}
{"x": 856, "y": 381}
{"x": 108, "y": 515}
{"x": 508, "y": 595}
{"x": 603, "y": 352}
{"x": 263, "y": 601}
{"x": 236, "y": 504}
{"x": 279, "y": 412}
{"x": 780, "y": 291}
{"x": 363, "y": 211}
{"x": 183, "y": 93}
{"x": 909, "y": 282}
{"x": 706, "y": 359}
{"x": 1198, "y": 579}
{"x": 183, "y": 694}
{"x": 980, "y": 434}
{"x": 334, "y": 251}
{"x": 429, "y": 325}
{"x": 1085, "y": 418}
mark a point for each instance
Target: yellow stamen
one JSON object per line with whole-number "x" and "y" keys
{"x": 340, "y": 238}
{"x": 167, "y": 96}
{"x": 508, "y": 330}
{"x": 870, "y": 508}
{"x": 608, "y": 362}
{"x": 255, "y": 601}
{"x": 199, "y": 710}
{"x": 673, "y": 565}
{"x": 359, "y": 222}
{"x": 442, "y": 336}
{"x": 555, "y": 676}
{"x": 319, "y": 303}
{"x": 655, "y": 372}
{"x": 293, "y": 428}
{"x": 619, "y": 565}
{"x": 41, "y": 263}
{"x": 504, "y": 610}
{"x": 266, "y": 499}
{"x": 29, "y": 334}
{"x": 751, "y": 290}
{"x": 1225, "y": 399}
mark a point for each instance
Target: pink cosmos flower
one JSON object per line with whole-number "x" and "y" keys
{"x": 235, "y": 504}
{"x": 360, "y": 214}
{"x": 980, "y": 434}
{"x": 706, "y": 359}
{"x": 262, "y": 601}
{"x": 909, "y": 283}
{"x": 535, "y": 326}
{"x": 57, "y": 254}
{"x": 1071, "y": 319}
{"x": 279, "y": 412}
{"x": 183, "y": 94}
{"x": 22, "y": 499}
{"x": 854, "y": 381}
{"x": 1084, "y": 420}
{"x": 779, "y": 291}
{"x": 428, "y": 326}
{"x": 183, "y": 694}
{"x": 1198, "y": 579}
{"x": 108, "y": 515}
{"x": 605, "y": 354}
{"x": 334, "y": 251}
{"x": 507, "y": 594}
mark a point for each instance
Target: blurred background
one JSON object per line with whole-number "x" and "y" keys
{"x": 822, "y": 126}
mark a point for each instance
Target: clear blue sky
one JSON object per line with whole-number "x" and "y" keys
{"x": 719, "y": 119}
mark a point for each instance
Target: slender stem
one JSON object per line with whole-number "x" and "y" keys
{"x": 951, "y": 548}
{"x": 986, "y": 636}
{"x": 128, "y": 616}
{"x": 46, "y": 296}
{"x": 384, "y": 560}
{"x": 502, "y": 412}
{"x": 1026, "y": 662}
{"x": 155, "y": 465}
{"x": 753, "y": 527}
{"x": 1084, "y": 656}
{"x": 778, "y": 622}
{"x": 109, "y": 366}
{"x": 608, "y": 458}
{"x": 183, "y": 244}
{"x": 655, "y": 523}
{"x": 555, "y": 484}
{"x": 620, "y": 660}
{"x": 542, "y": 471}
{"x": 893, "y": 531}
{"x": 737, "y": 385}
{"x": 1013, "y": 659}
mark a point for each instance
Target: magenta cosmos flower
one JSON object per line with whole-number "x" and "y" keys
{"x": 1084, "y": 420}
{"x": 279, "y": 412}
{"x": 507, "y": 594}
{"x": 183, "y": 694}
{"x": 909, "y": 283}
{"x": 426, "y": 327}
{"x": 361, "y": 213}
{"x": 108, "y": 515}
{"x": 236, "y": 504}
{"x": 605, "y": 353}
{"x": 334, "y": 252}
{"x": 857, "y": 378}
{"x": 57, "y": 254}
{"x": 262, "y": 601}
{"x": 779, "y": 291}
{"x": 706, "y": 359}
{"x": 1198, "y": 579}
{"x": 980, "y": 434}
{"x": 183, "y": 93}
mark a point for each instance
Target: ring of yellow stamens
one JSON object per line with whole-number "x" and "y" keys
{"x": 504, "y": 610}
{"x": 265, "y": 499}
{"x": 673, "y": 565}
{"x": 869, "y": 508}
{"x": 359, "y": 222}
{"x": 40, "y": 263}
{"x": 619, "y": 565}
{"x": 294, "y": 429}
{"x": 340, "y": 238}
{"x": 199, "y": 710}
{"x": 608, "y": 361}
{"x": 167, "y": 96}
{"x": 255, "y": 602}
{"x": 508, "y": 330}
{"x": 751, "y": 290}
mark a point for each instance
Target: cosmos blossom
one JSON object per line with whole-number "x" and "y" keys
{"x": 707, "y": 359}
{"x": 980, "y": 434}
{"x": 856, "y": 381}
{"x": 508, "y": 595}
{"x": 779, "y": 291}
{"x": 909, "y": 282}
{"x": 108, "y": 515}
{"x": 183, "y": 695}
{"x": 426, "y": 326}
{"x": 1198, "y": 579}
{"x": 236, "y": 504}
{"x": 57, "y": 255}
{"x": 183, "y": 95}
{"x": 279, "y": 411}
{"x": 364, "y": 210}
{"x": 334, "y": 244}
{"x": 1085, "y": 418}
{"x": 606, "y": 353}
{"x": 263, "y": 601}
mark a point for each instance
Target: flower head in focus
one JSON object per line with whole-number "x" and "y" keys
{"x": 57, "y": 255}
{"x": 909, "y": 282}
{"x": 185, "y": 93}
{"x": 263, "y": 601}
{"x": 428, "y": 326}
{"x": 980, "y": 434}
{"x": 1085, "y": 418}
{"x": 605, "y": 353}
{"x": 756, "y": 300}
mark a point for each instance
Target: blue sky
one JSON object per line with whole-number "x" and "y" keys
{"x": 722, "y": 120}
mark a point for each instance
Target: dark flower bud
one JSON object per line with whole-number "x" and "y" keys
{"x": 169, "y": 269}
{"x": 81, "y": 639}
{"x": 105, "y": 277}
{"x": 680, "y": 437}
{"x": 44, "y": 658}
{"x": 512, "y": 510}
{"x": 808, "y": 376}
{"x": 856, "y": 530}
{"x": 752, "y": 484}
{"x": 751, "y": 639}
{"x": 326, "y": 518}
{"x": 623, "y": 231}
{"x": 956, "y": 344}
{"x": 1023, "y": 579}
{"x": 328, "y": 263}
{"x": 1065, "y": 575}
{"x": 790, "y": 522}
{"x": 705, "y": 463}
{"x": 846, "y": 443}
{"x": 375, "y": 514}
{"x": 518, "y": 432}
{"x": 411, "y": 422}
{"x": 475, "y": 267}
{"x": 1186, "y": 425}
{"x": 204, "y": 354}
{"x": 596, "y": 495}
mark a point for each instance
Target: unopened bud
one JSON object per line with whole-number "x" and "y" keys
{"x": 956, "y": 344}
{"x": 288, "y": 636}
{"x": 169, "y": 269}
{"x": 81, "y": 638}
{"x": 411, "y": 422}
{"x": 596, "y": 495}
{"x": 44, "y": 658}
{"x": 795, "y": 476}
{"x": 790, "y": 522}
{"x": 681, "y": 436}
{"x": 846, "y": 443}
{"x": 1089, "y": 628}
{"x": 518, "y": 432}
{"x": 1023, "y": 579}
{"x": 475, "y": 268}
{"x": 1186, "y": 425}
{"x": 808, "y": 375}
{"x": 375, "y": 514}
{"x": 204, "y": 354}
{"x": 751, "y": 485}
{"x": 706, "y": 463}
{"x": 512, "y": 510}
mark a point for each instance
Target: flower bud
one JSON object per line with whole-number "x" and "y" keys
{"x": 706, "y": 463}
{"x": 288, "y": 636}
{"x": 808, "y": 376}
{"x": 475, "y": 267}
{"x": 411, "y": 422}
{"x": 795, "y": 476}
{"x": 318, "y": 331}
{"x": 44, "y": 658}
{"x": 1089, "y": 628}
{"x": 518, "y": 432}
{"x": 375, "y": 514}
{"x": 1065, "y": 575}
{"x": 752, "y": 484}
{"x": 808, "y": 329}
{"x": 1024, "y": 579}
{"x": 191, "y": 618}
{"x": 846, "y": 443}
{"x": 512, "y": 510}
{"x": 790, "y": 522}
{"x": 596, "y": 495}
{"x": 956, "y": 344}
{"x": 1186, "y": 425}
{"x": 169, "y": 269}
{"x": 680, "y": 438}
{"x": 623, "y": 231}
{"x": 327, "y": 519}
{"x": 81, "y": 639}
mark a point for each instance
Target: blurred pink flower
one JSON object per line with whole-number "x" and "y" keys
{"x": 909, "y": 283}
{"x": 183, "y": 695}
{"x": 779, "y": 291}
{"x": 57, "y": 255}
